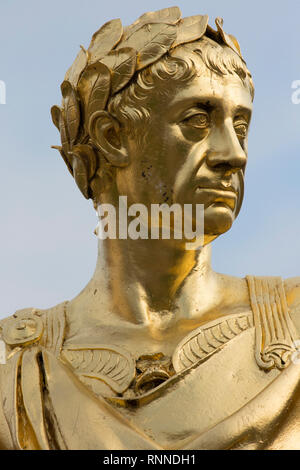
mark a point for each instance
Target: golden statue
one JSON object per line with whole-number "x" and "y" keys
{"x": 157, "y": 351}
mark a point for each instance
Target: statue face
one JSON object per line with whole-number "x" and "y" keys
{"x": 193, "y": 150}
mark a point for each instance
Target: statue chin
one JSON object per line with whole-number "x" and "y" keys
{"x": 218, "y": 219}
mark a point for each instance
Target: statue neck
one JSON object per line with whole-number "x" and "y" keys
{"x": 144, "y": 278}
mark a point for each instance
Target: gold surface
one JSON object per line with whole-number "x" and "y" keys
{"x": 158, "y": 351}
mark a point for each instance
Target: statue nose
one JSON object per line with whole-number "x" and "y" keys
{"x": 226, "y": 150}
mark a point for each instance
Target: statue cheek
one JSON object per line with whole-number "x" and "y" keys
{"x": 184, "y": 181}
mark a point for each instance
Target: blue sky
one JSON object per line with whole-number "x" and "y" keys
{"x": 48, "y": 250}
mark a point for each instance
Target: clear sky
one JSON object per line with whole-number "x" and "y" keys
{"x": 48, "y": 250}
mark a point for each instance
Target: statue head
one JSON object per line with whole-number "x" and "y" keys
{"x": 159, "y": 112}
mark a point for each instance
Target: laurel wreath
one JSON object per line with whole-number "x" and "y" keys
{"x": 114, "y": 56}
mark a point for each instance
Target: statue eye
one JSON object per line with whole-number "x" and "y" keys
{"x": 241, "y": 129}
{"x": 200, "y": 121}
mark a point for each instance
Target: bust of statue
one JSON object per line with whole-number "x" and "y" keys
{"x": 158, "y": 351}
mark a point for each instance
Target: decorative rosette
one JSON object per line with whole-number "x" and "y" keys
{"x": 22, "y": 330}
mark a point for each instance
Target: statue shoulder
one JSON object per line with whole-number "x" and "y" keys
{"x": 292, "y": 289}
{"x": 14, "y": 329}
{"x": 31, "y": 325}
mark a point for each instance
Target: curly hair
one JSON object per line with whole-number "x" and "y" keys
{"x": 130, "y": 105}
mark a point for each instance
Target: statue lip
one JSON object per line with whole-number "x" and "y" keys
{"x": 229, "y": 192}
{"x": 222, "y": 185}
{"x": 227, "y": 196}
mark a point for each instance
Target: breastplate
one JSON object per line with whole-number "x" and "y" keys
{"x": 214, "y": 372}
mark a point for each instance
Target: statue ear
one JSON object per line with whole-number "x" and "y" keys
{"x": 104, "y": 131}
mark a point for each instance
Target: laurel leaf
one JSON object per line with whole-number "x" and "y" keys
{"x": 122, "y": 65}
{"x": 72, "y": 111}
{"x": 167, "y": 15}
{"x": 100, "y": 91}
{"x": 55, "y": 114}
{"x": 59, "y": 121}
{"x": 80, "y": 174}
{"x": 227, "y": 38}
{"x": 151, "y": 41}
{"x": 213, "y": 34}
{"x": 64, "y": 157}
{"x": 94, "y": 88}
{"x": 79, "y": 64}
{"x": 236, "y": 43}
{"x": 87, "y": 155}
{"x": 63, "y": 132}
{"x": 190, "y": 29}
{"x": 105, "y": 39}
